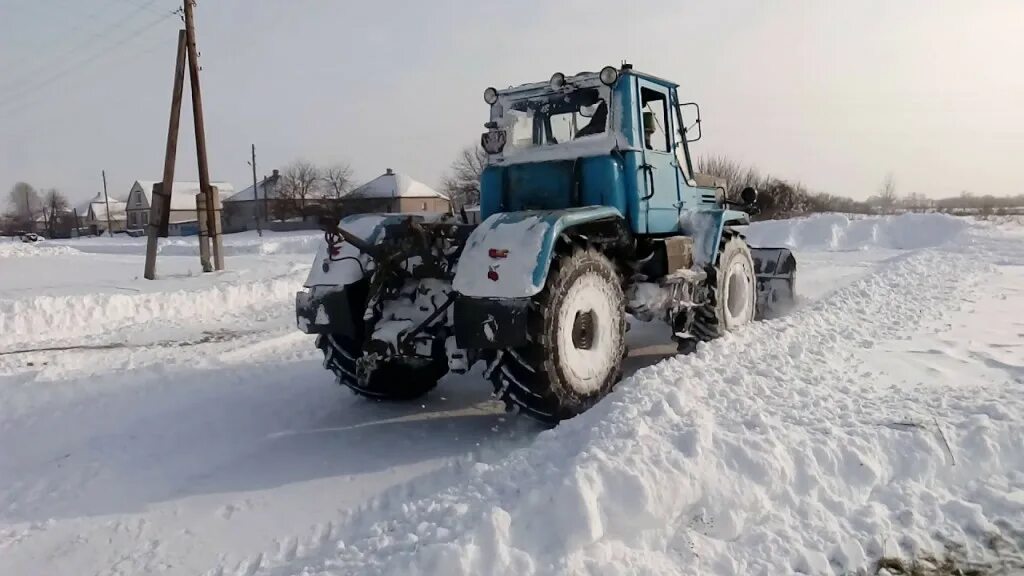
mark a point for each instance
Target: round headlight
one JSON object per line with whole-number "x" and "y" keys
{"x": 491, "y": 95}
{"x": 609, "y": 75}
{"x": 557, "y": 80}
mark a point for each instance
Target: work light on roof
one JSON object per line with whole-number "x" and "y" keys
{"x": 609, "y": 75}
{"x": 557, "y": 80}
{"x": 491, "y": 95}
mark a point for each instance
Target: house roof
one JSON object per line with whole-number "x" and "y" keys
{"x": 393, "y": 184}
{"x": 183, "y": 194}
{"x": 266, "y": 189}
{"x": 98, "y": 205}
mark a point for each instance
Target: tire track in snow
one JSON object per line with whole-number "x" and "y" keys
{"x": 761, "y": 453}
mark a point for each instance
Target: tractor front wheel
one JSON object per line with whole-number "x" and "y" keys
{"x": 731, "y": 294}
{"x": 576, "y": 341}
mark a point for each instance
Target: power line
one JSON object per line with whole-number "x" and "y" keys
{"x": 78, "y": 65}
{"x": 77, "y": 48}
{"x": 161, "y": 44}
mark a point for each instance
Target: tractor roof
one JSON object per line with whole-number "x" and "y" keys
{"x": 585, "y": 78}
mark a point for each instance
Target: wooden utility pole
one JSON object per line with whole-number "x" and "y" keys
{"x": 106, "y": 200}
{"x": 200, "y": 131}
{"x": 256, "y": 193}
{"x": 159, "y": 209}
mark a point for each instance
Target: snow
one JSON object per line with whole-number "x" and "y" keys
{"x": 178, "y": 436}
{"x": 839, "y": 232}
{"x": 14, "y": 247}
{"x": 395, "y": 185}
{"x": 183, "y": 194}
{"x": 98, "y": 205}
{"x": 521, "y": 239}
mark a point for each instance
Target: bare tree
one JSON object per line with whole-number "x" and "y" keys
{"x": 887, "y": 194}
{"x": 24, "y": 204}
{"x": 56, "y": 210}
{"x": 337, "y": 179}
{"x": 462, "y": 182}
{"x": 736, "y": 176}
{"x": 300, "y": 183}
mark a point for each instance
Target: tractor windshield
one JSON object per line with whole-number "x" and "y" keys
{"x": 552, "y": 119}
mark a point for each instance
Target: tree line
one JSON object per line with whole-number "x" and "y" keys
{"x": 303, "y": 188}
{"x": 32, "y": 210}
{"x": 782, "y": 198}
{"x": 777, "y": 197}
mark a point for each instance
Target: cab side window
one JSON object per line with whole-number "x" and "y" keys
{"x": 655, "y": 120}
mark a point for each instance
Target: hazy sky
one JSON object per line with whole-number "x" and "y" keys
{"x": 832, "y": 94}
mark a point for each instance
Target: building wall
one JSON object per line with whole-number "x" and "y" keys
{"x": 96, "y": 226}
{"x": 138, "y": 219}
{"x": 406, "y": 205}
{"x": 424, "y": 205}
{"x": 183, "y": 228}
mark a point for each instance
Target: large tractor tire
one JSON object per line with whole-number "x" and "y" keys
{"x": 394, "y": 379}
{"x": 576, "y": 341}
{"x": 731, "y": 294}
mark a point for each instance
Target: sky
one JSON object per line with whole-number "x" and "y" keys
{"x": 833, "y": 94}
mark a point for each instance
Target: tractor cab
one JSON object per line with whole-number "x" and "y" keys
{"x": 616, "y": 138}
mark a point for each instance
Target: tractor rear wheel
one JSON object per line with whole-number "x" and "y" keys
{"x": 731, "y": 294}
{"x": 394, "y": 378}
{"x": 576, "y": 341}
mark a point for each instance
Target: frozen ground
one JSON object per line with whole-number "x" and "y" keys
{"x": 184, "y": 427}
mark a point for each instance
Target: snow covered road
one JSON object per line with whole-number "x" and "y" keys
{"x": 172, "y": 438}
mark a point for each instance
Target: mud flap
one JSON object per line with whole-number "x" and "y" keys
{"x": 775, "y": 269}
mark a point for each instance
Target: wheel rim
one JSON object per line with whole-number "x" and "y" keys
{"x": 739, "y": 293}
{"x": 583, "y": 328}
{"x": 585, "y": 335}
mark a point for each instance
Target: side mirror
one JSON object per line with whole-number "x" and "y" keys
{"x": 749, "y": 196}
{"x": 493, "y": 141}
{"x": 687, "y": 131}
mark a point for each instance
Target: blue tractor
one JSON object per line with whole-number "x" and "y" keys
{"x": 591, "y": 211}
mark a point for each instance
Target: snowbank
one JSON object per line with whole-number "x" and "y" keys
{"x": 838, "y": 232}
{"x": 776, "y": 450}
{"x": 19, "y": 249}
{"x": 57, "y": 318}
{"x": 234, "y": 244}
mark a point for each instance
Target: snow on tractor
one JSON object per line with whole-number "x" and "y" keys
{"x": 591, "y": 211}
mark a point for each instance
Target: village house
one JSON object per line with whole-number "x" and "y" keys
{"x": 182, "y": 220}
{"x": 241, "y": 210}
{"x": 395, "y": 192}
{"x": 92, "y": 215}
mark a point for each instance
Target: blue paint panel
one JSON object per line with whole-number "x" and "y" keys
{"x": 636, "y": 214}
{"x": 704, "y": 225}
{"x": 539, "y": 186}
{"x": 602, "y": 183}
{"x": 490, "y": 191}
{"x": 548, "y": 227}
{"x": 737, "y": 217}
{"x": 560, "y": 220}
{"x": 625, "y": 94}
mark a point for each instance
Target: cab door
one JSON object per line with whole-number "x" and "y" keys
{"x": 659, "y": 168}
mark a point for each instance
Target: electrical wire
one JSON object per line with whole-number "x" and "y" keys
{"x": 10, "y": 100}
{"x": 61, "y": 56}
{"x": 167, "y": 43}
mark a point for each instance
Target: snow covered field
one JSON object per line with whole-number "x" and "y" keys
{"x": 183, "y": 426}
